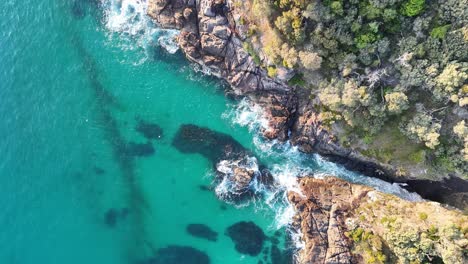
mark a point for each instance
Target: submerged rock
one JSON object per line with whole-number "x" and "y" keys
{"x": 113, "y": 216}
{"x": 178, "y": 255}
{"x": 98, "y": 170}
{"x": 139, "y": 149}
{"x": 149, "y": 130}
{"x": 202, "y": 231}
{"x": 205, "y": 188}
{"x": 210, "y": 37}
{"x": 235, "y": 166}
{"x": 78, "y": 9}
{"x": 213, "y": 145}
{"x": 278, "y": 256}
{"x": 247, "y": 237}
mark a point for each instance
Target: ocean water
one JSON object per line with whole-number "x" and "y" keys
{"x": 80, "y": 184}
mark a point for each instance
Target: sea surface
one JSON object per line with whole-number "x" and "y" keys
{"x": 80, "y": 182}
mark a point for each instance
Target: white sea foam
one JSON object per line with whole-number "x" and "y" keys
{"x": 287, "y": 163}
{"x": 247, "y": 114}
{"x": 128, "y": 19}
{"x": 227, "y": 187}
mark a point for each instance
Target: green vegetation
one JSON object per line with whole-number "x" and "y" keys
{"x": 369, "y": 244}
{"x": 271, "y": 70}
{"x": 297, "y": 80}
{"x": 379, "y": 63}
{"x": 422, "y": 216}
{"x": 413, "y": 7}
{"x": 440, "y": 32}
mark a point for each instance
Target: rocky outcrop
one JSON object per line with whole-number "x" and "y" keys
{"x": 210, "y": 37}
{"x": 321, "y": 205}
{"x": 342, "y": 222}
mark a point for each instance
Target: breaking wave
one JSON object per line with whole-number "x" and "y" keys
{"x": 128, "y": 20}
{"x": 287, "y": 163}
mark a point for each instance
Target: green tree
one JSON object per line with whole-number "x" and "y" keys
{"x": 396, "y": 102}
{"x": 413, "y": 7}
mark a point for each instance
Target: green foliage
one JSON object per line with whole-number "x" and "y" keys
{"x": 297, "y": 79}
{"x": 368, "y": 138}
{"x": 422, "y": 216}
{"x": 370, "y": 11}
{"x": 337, "y": 7}
{"x": 440, "y": 32}
{"x": 352, "y": 41}
{"x": 364, "y": 39}
{"x": 289, "y": 23}
{"x": 417, "y": 156}
{"x": 432, "y": 233}
{"x": 423, "y": 128}
{"x": 413, "y": 7}
{"x": 272, "y": 71}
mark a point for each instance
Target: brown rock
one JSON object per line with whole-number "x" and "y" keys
{"x": 212, "y": 45}
{"x": 242, "y": 178}
{"x": 320, "y": 207}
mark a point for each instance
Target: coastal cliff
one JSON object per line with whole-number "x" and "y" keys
{"x": 211, "y": 38}
{"x": 348, "y": 223}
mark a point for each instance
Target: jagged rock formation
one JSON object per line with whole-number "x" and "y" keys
{"x": 342, "y": 222}
{"x": 320, "y": 207}
{"x": 210, "y": 38}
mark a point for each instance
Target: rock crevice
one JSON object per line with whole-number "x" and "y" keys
{"x": 209, "y": 37}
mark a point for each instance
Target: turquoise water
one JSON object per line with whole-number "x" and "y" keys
{"x": 74, "y": 84}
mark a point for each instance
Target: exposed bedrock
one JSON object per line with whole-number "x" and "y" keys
{"x": 209, "y": 37}
{"x": 342, "y": 222}
{"x": 319, "y": 208}
{"x": 234, "y": 164}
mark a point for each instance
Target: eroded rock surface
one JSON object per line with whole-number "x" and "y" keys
{"x": 210, "y": 37}
{"x": 234, "y": 165}
{"x": 320, "y": 206}
{"x": 342, "y": 222}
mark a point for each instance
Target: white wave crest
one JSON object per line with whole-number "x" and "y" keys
{"x": 129, "y": 19}
{"x": 247, "y": 114}
{"x": 287, "y": 163}
{"x": 330, "y": 168}
{"x": 228, "y": 185}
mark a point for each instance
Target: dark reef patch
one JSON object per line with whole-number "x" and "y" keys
{"x": 113, "y": 216}
{"x": 247, "y": 237}
{"x": 178, "y": 255}
{"x": 202, "y": 231}
{"x": 78, "y": 9}
{"x": 205, "y": 188}
{"x": 139, "y": 149}
{"x": 217, "y": 147}
{"x": 149, "y": 130}
{"x": 280, "y": 257}
{"x": 98, "y": 171}
{"x": 213, "y": 145}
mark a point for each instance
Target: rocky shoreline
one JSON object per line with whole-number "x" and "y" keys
{"x": 331, "y": 213}
{"x": 349, "y": 223}
{"x": 210, "y": 38}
